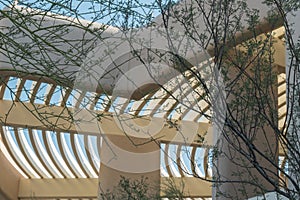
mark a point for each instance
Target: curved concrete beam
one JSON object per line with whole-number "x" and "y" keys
{"x": 105, "y": 55}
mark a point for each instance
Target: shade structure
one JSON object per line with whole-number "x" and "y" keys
{"x": 49, "y": 149}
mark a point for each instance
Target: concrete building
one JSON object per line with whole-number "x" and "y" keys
{"x": 64, "y": 137}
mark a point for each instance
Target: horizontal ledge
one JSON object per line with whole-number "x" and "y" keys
{"x": 88, "y": 188}
{"x": 61, "y": 119}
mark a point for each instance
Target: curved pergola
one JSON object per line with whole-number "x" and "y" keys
{"x": 43, "y": 148}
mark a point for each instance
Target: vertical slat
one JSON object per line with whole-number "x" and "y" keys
{"x": 51, "y": 156}
{"x": 62, "y": 152}
{"x": 4, "y": 81}
{"x": 166, "y": 152}
{"x": 34, "y": 91}
{"x": 37, "y": 152}
{"x": 24, "y": 153}
{"x": 179, "y": 161}
{"x": 19, "y": 89}
{"x": 12, "y": 155}
{"x": 77, "y": 156}
{"x": 86, "y": 144}
{"x": 50, "y": 94}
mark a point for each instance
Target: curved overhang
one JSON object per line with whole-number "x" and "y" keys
{"x": 108, "y": 52}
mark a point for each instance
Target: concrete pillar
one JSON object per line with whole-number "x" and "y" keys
{"x": 9, "y": 180}
{"x": 131, "y": 158}
{"x": 237, "y": 170}
{"x": 293, "y": 102}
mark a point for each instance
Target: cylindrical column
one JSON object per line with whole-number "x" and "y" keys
{"x": 247, "y": 150}
{"x": 293, "y": 101}
{"x": 135, "y": 159}
{"x": 9, "y": 179}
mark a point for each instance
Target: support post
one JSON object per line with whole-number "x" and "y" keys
{"x": 9, "y": 179}
{"x": 293, "y": 101}
{"x": 135, "y": 159}
{"x": 247, "y": 150}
